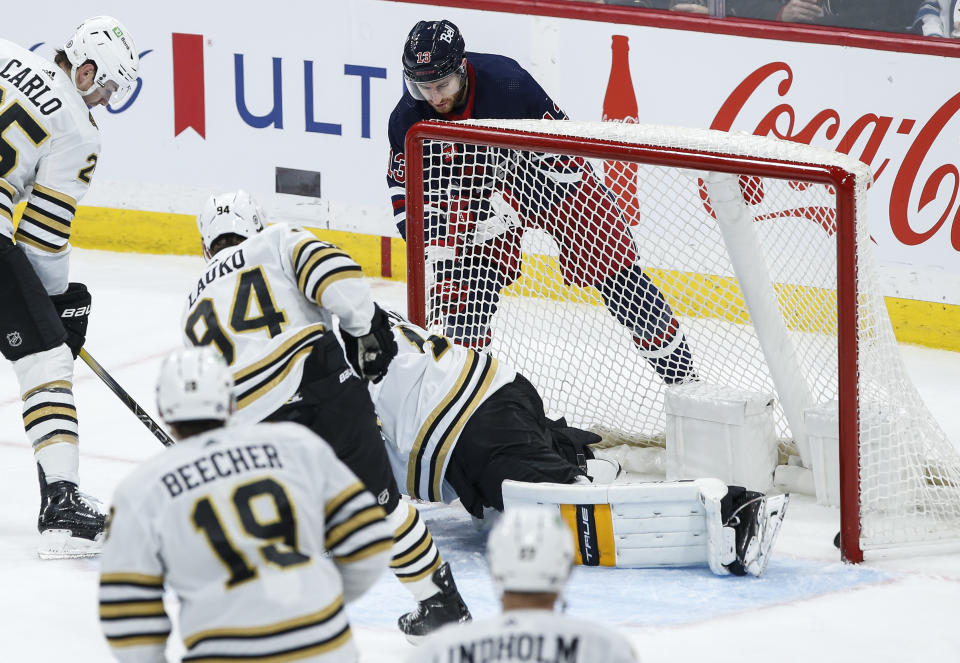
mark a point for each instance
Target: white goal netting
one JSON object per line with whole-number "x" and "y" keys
{"x": 606, "y": 261}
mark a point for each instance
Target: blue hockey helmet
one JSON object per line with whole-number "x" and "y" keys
{"x": 433, "y": 51}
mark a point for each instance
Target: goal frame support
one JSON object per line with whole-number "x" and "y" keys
{"x": 842, "y": 181}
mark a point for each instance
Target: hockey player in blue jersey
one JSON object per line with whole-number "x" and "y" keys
{"x": 471, "y": 197}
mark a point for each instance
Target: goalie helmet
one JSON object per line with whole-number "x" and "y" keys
{"x": 195, "y": 384}
{"x": 233, "y": 213}
{"x": 433, "y": 50}
{"x": 530, "y": 549}
{"x": 105, "y": 41}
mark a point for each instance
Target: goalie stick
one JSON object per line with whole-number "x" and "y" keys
{"x": 127, "y": 399}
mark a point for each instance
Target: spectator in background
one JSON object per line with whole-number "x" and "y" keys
{"x": 884, "y": 15}
{"x": 938, "y": 18}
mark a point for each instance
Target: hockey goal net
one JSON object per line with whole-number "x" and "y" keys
{"x": 606, "y": 261}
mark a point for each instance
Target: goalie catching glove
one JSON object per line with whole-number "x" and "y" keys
{"x": 370, "y": 354}
{"x": 73, "y": 307}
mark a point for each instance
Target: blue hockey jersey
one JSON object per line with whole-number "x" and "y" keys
{"x": 499, "y": 88}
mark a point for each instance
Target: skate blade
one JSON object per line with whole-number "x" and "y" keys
{"x": 59, "y": 544}
{"x": 774, "y": 509}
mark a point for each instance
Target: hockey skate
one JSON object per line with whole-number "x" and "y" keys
{"x": 757, "y": 522}
{"x": 71, "y": 523}
{"x": 445, "y": 607}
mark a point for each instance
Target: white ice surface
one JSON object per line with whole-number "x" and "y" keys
{"x": 807, "y": 607}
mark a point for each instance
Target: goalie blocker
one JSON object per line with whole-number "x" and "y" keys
{"x": 663, "y": 524}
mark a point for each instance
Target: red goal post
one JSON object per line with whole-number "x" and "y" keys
{"x": 790, "y": 194}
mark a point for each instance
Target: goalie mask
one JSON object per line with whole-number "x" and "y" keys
{"x": 105, "y": 41}
{"x": 233, "y": 213}
{"x": 530, "y": 550}
{"x": 434, "y": 50}
{"x": 195, "y": 384}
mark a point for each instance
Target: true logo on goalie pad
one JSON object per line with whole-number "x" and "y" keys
{"x": 592, "y": 525}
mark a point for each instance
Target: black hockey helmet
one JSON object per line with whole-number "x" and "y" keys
{"x": 433, "y": 50}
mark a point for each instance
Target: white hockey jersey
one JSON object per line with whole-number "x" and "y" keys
{"x": 431, "y": 389}
{"x": 526, "y": 635}
{"x": 236, "y": 522}
{"x": 264, "y": 303}
{"x": 49, "y": 146}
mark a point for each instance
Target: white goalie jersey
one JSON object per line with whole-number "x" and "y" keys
{"x": 48, "y": 152}
{"x": 526, "y": 635}
{"x": 431, "y": 389}
{"x": 262, "y": 534}
{"x": 264, "y": 303}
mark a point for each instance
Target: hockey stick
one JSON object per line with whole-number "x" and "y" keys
{"x": 127, "y": 399}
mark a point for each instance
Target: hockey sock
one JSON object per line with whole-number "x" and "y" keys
{"x": 49, "y": 413}
{"x": 415, "y": 555}
{"x": 637, "y": 304}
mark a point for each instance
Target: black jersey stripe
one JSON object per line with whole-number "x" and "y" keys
{"x": 266, "y": 631}
{"x": 58, "y": 228}
{"x": 358, "y": 521}
{"x": 433, "y": 421}
{"x": 61, "y": 200}
{"x": 450, "y": 435}
{"x": 332, "y": 276}
{"x": 338, "y": 501}
{"x": 278, "y": 655}
{"x": 22, "y": 235}
{"x": 368, "y": 549}
{"x": 139, "y": 639}
{"x": 7, "y": 190}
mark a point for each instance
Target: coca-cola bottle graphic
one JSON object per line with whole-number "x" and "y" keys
{"x": 620, "y": 105}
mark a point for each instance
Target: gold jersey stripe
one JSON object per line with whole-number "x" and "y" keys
{"x": 363, "y": 553}
{"x": 414, "y": 553}
{"x": 41, "y": 246}
{"x": 8, "y": 189}
{"x": 131, "y": 579}
{"x": 123, "y": 641}
{"x": 5, "y": 213}
{"x": 44, "y": 220}
{"x": 151, "y": 608}
{"x": 280, "y": 377}
{"x": 61, "y": 438}
{"x": 412, "y": 464}
{"x": 426, "y": 573}
{"x": 296, "y": 655}
{"x": 338, "y": 534}
{"x": 66, "y": 411}
{"x": 352, "y": 273}
{"x": 438, "y": 463}
{"x": 344, "y": 495}
{"x": 412, "y": 514}
{"x": 49, "y": 386}
{"x": 311, "y": 619}
{"x": 304, "y": 273}
{"x": 62, "y": 197}
{"x": 274, "y": 356}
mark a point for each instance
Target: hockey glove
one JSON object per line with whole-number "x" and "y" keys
{"x": 371, "y": 353}
{"x": 73, "y": 307}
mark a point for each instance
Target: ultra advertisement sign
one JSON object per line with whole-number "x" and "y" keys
{"x": 230, "y": 101}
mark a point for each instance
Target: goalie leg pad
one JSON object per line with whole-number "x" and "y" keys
{"x": 644, "y": 525}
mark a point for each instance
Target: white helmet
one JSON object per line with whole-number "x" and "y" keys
{"x": 105, "y": 41}
{"x": 530, "y": 549}
{"x": 235, "y": 212}
{"x": 195, "y": 384}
